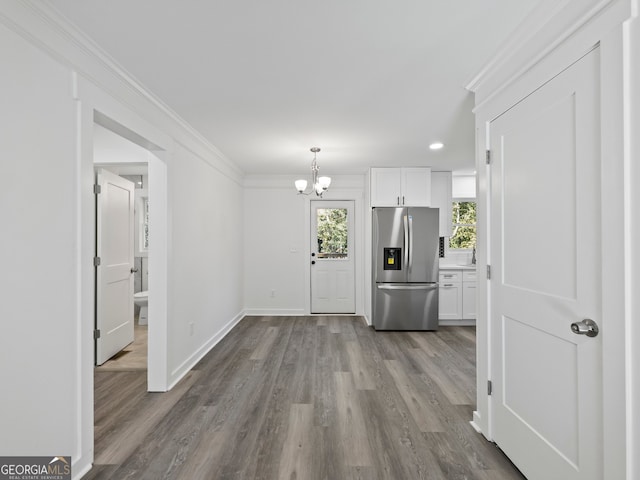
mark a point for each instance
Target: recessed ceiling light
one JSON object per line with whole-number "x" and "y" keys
{"x": 436, "y": 145}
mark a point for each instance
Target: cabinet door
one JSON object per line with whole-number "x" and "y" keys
{"x": 441, "y": 199}
{"x": 469, "y": 300}
{"x": 450, "y": 301}
{"x": 416, "y": 187}
{"x": 385, "y": 187}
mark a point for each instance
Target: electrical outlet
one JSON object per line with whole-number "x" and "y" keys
{"x": 273, "y": 293}
{"x": 191, "y": 328}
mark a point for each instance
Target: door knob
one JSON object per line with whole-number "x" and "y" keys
{"x": 585, "y": 327}
{"x": 134, "y": 269}
{"x": 313, "y": 262}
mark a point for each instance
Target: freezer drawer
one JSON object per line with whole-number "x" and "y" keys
{"x": 402, "y": 306}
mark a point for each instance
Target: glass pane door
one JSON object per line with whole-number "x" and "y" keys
{"x": 332, "y": 233}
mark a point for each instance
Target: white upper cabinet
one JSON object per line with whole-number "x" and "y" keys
{"x": 386, "y": 185}
{"x": 441, "y": 198}
{"x": 392, "y": 187}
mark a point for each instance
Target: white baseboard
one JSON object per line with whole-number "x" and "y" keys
{"x": 475, "y": 423}
{"x": 186, "y": 366}
{"x": 274, "y": 312}
{"x": 457, "y": 323}
{"x": 81, "y": 467}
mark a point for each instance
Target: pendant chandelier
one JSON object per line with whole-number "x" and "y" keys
{"x": 319, "y": 184}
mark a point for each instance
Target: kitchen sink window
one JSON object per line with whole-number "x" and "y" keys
{"x": 463, "y": 234}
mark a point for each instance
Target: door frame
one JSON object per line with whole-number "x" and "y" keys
{"x": 156, "y": 340}
{"x": 345, "y": 192}
{"x": 94, "y": 105}
{"x": 501, "y": 89}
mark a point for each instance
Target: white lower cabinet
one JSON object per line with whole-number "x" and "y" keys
{"x": 457, "y": 295}
{"x": 469, "y": 294}
{"x": 450, "y": 295}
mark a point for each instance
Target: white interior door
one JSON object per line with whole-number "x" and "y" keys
{"x": 114, "y": 276}
{"x": 546, "y": 275}
{"x": 332, "y": 257}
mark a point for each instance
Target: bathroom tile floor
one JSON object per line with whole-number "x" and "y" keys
{"x": 133, "y": 357}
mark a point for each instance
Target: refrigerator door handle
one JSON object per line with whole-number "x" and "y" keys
{"x": 406, "y": 241}
{"x": 410, "y": 242}
{"x": 427, "y": 286}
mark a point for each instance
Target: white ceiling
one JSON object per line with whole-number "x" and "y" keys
{"x": 371, "y": 82}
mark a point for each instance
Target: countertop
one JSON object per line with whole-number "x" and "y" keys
{"x": 457, "y": 267}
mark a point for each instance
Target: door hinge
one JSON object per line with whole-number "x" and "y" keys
{"x": 96, "y": 334}
{"x": 489, "y": 387}
{"x": 488, "y": 157}
{"x": 97, "y": 189}
{"x": 96, "y": 261}
{"x": 488, "y": 272}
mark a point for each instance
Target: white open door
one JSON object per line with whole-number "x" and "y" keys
{"x": 546, "y": 275}
{"x": 114, "y": 275}
{"x": 332, "y": 257}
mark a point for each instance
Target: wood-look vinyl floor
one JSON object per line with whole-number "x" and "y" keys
{"x": 133, "y": 356}
{"x": 324, "y": 398}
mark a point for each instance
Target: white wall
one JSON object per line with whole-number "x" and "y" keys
{"x": 38, "y": 253}
{"x": 274, "y": 251}
{"x": 51, "y": 86}
{"x": 111, "y": 148}
{"x": 206, "y": 265}
{"x": 463, "y": 186}
{"x": 277, "y": 242}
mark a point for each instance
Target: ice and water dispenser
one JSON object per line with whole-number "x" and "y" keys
{"x": 392, "y": 259}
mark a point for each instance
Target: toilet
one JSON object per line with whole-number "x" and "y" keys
{"x": 142, "y": 300}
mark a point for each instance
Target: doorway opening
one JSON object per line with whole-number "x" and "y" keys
{"x": 154, "y": 157}
{"x": 129, "y": 352}
{"x": 122, "y": 248}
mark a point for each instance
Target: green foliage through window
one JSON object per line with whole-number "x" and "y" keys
{"x": 332, "y": 232}
{"x": 464, "y": 225}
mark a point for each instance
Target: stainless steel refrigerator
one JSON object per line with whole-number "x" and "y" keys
{"x": 405, "y": 268}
